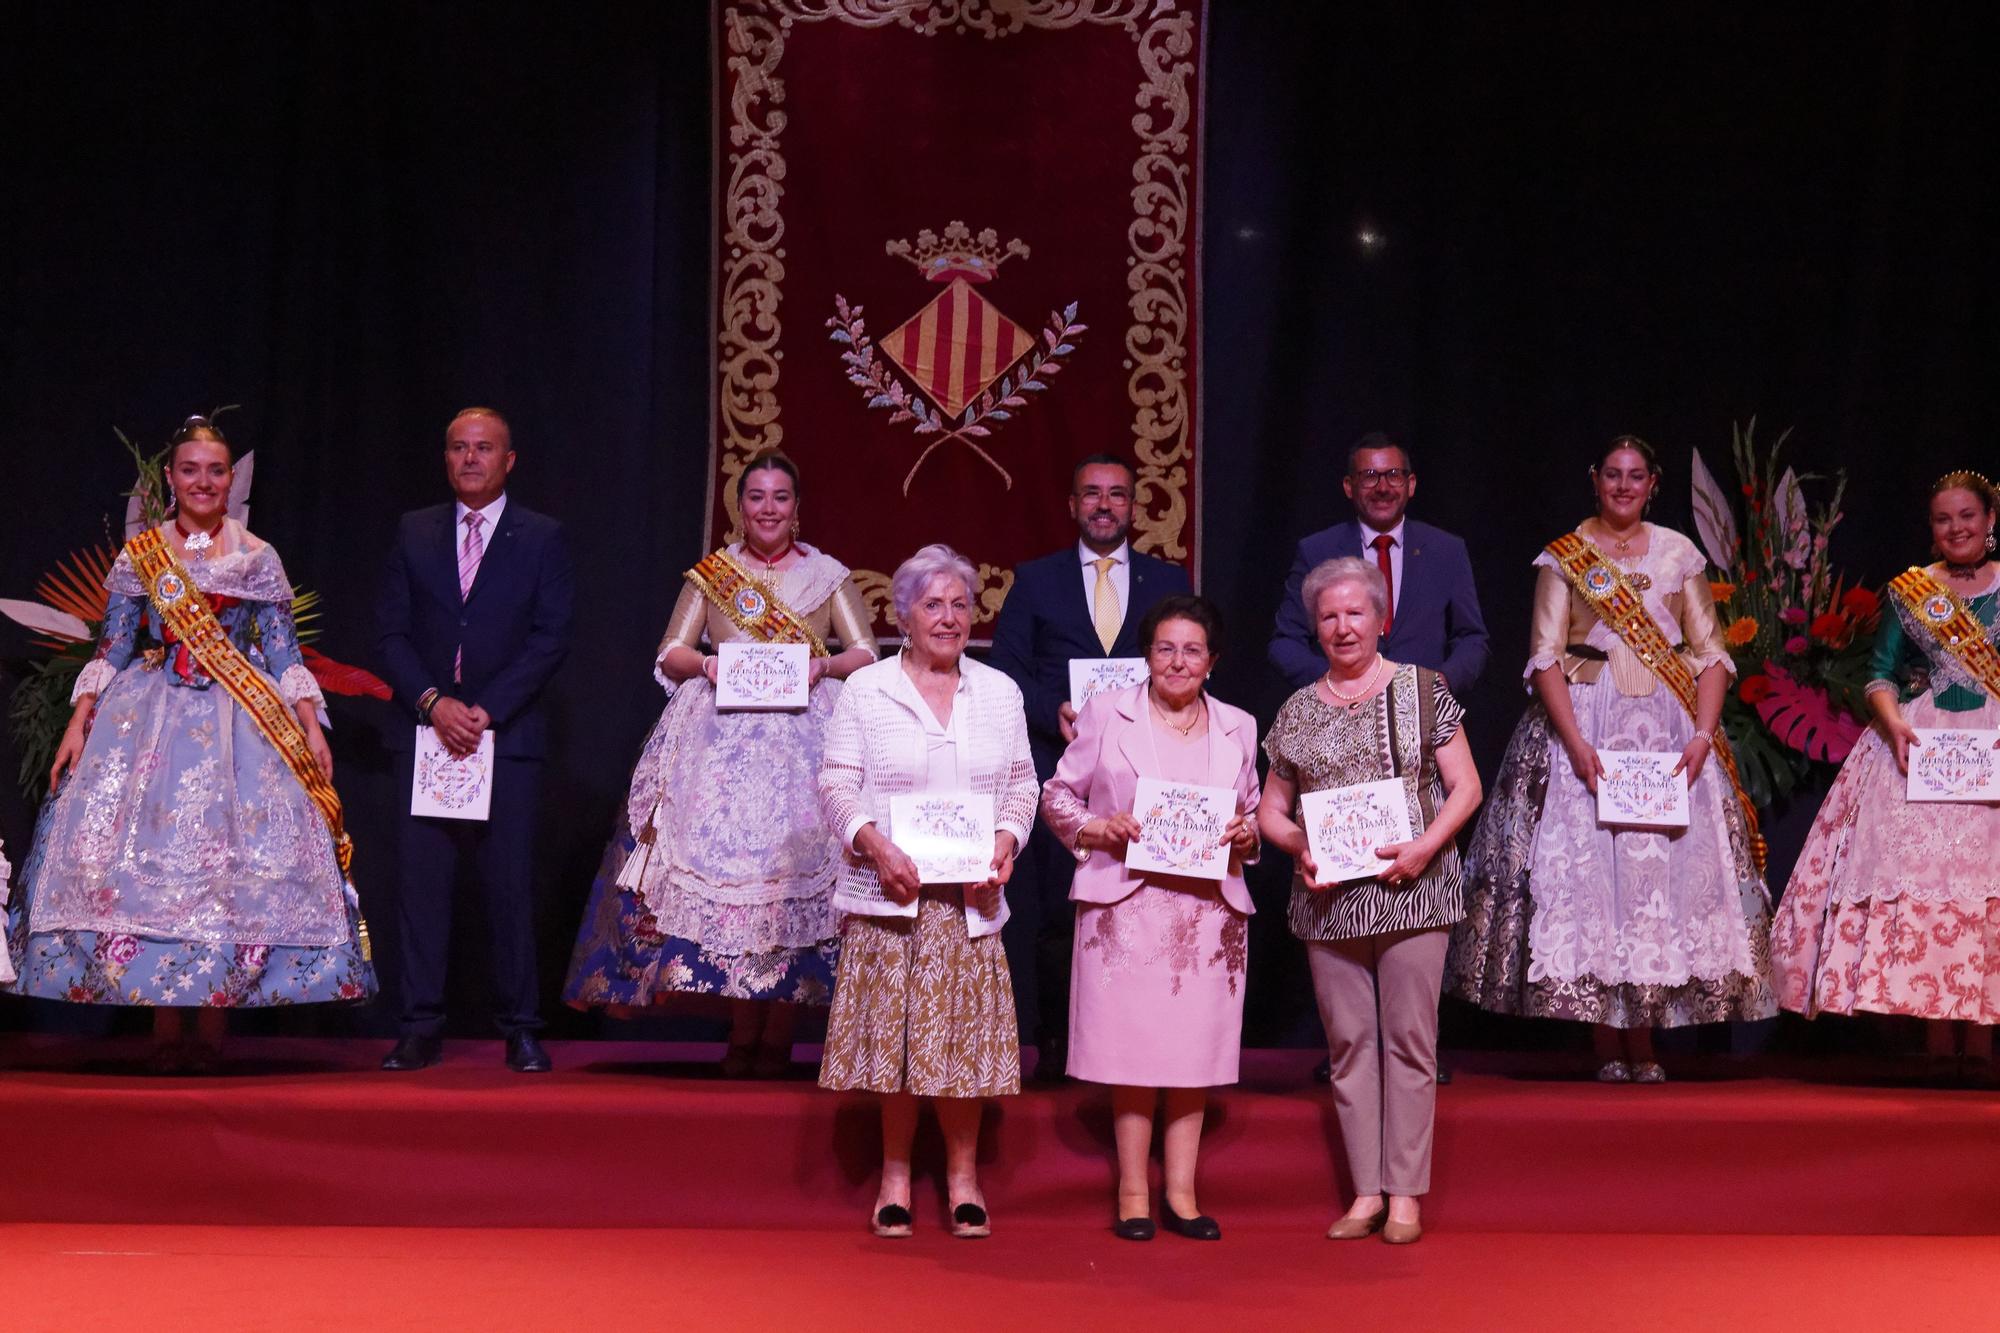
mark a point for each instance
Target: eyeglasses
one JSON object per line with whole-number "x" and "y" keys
{"x": 1168, "y": 652}
{"x": 1394, "y": 476}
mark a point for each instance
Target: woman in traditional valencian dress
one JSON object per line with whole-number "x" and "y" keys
{"x": 1894, "y": 907}
{"x": 192, "y": 853}
{"x": 1627, "y": 929}
{"x": 719, "y": 879}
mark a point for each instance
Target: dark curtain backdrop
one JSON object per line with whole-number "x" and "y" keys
{"x": 355, "y": 217}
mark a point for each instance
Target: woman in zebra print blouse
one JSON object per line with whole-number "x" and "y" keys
{"x": 1376, "y": 946}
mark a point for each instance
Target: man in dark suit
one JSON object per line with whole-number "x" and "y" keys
{"x": 1084, "y": 601}
{"x": 475, "y": 620}
{"x": 1433, "y": 618}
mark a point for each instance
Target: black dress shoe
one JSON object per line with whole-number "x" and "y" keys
{"x": 526, "y": 1056}
{"x": 1199, "y": 1227}
{"x": 1323, "y": 1071}
{"x": 413, "y": 1053}
{"x": 1444, "y": 1076}
{"x": 1051, "y": 1060}
{"x": 1133, "y": 1228}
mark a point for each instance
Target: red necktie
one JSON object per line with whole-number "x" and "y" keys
{"x": 1382, "y": 544}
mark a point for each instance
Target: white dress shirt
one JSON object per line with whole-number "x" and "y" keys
{"x": 1395, "y": 535}
{"x": 491, "y": 514}
{"x": 1121, "y": 576}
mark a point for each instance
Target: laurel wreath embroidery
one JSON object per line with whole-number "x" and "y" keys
{"x": 999, "y": 403}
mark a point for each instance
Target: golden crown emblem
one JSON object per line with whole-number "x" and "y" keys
{"x": 958, "y": 253}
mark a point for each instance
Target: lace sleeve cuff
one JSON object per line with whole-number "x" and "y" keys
{"x": 1538, "y": 662}
{"x": 1874, "y": 685}
{"x": 298, "y": 684}
{"x": 92, "y": 679}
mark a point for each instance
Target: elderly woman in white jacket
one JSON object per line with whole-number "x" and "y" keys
{"x": 923, "y": 1005}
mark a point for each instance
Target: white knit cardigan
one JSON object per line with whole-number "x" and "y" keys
{"x": 875, "y": 749}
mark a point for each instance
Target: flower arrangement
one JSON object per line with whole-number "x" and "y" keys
{"x": 1799, "y": 632}
{"x": 70, "y": 612}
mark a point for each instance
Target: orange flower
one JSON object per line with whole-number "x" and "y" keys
{"x": 1721, "y": 589}
{"x": 1740, "y": 631}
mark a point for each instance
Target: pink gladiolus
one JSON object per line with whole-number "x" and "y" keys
{"x": 1793, "y": 615}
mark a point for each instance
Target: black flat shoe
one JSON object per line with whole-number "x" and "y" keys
{"x": 1199, "y": 1227}
{"x": 413, "y": 1053}
{"x": 969, "y": 1222}
{"x": 526, "y": 1056}
{"x": 1133, "y": 1228}
{"x": 892, "y": 1221}
{"x": 1323, "y": 1071}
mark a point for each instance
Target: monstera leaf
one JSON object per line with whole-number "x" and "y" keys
{"x": 1714, "y": 516}
{"x": 1805, "y": 718}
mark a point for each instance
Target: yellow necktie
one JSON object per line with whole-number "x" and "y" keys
{"x": 1104, "y": 609}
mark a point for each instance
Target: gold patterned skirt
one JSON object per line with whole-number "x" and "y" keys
{"x": 919, "y": 1006}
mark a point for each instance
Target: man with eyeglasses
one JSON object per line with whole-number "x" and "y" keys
{"x": 1433, "y": 618}
{"x": 1083, "y": 602}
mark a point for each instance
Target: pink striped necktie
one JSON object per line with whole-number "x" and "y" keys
{"x": 469, "y": 555}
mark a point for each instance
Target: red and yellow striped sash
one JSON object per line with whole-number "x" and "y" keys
{"x": 190, "y": 619}
{"x": 751, "y": 604}
{"x": 1948, "y": 620}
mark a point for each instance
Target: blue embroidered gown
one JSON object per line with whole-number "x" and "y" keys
{"x": 182, "y": 863}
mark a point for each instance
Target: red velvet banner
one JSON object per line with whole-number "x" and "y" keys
{"x": 957, "y": 250}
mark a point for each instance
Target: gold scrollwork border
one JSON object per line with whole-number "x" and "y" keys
{"x": 750, "y": 265}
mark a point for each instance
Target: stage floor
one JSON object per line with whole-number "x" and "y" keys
{"x": 302, "y": 1186}
{"x": 1025, "y": 1277}
{"x": 309, "y": 1133}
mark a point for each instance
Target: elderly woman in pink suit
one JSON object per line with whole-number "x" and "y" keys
{"x": 1156, "y": 993}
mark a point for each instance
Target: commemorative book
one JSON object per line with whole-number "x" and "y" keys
{"x": 1345, "y": 825}
{"x": 761, "y": 677}
{"x": 1639, "y": 789}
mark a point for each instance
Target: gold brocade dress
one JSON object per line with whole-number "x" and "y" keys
{"x": 735, "y": 893}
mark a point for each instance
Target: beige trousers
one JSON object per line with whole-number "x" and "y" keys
{"x": 1378, "y": 999}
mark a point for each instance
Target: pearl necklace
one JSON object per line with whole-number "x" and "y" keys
{"x": 1367, "y": 684}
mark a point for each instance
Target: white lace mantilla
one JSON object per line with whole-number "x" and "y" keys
{"x": 248, "y": 569}
{"x": 1669, "y": 562}
{"x": 1946, "y": 668}
{"x": 803, "y": 587}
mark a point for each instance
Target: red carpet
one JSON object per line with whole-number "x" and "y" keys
{"x": 1026, "y": 1277}
{"x": 303, "y": 1133}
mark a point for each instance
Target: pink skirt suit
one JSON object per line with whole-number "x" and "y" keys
{"x": 1156, "y": 978}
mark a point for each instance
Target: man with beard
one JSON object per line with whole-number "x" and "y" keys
{"x": 1084, "y": 601}
{"x": 1433, "y": 618}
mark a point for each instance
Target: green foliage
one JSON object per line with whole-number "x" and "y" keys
{"x": 38, "y": 713}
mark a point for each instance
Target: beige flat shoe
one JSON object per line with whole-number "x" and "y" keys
{"x": 1357, "y": 1228}
{"x": 1402, "y": 1233}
